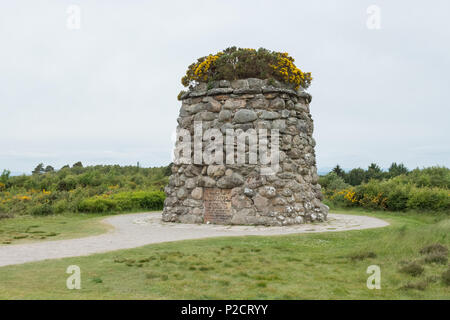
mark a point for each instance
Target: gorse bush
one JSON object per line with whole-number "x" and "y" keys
{"x": 240, "y": 63}
{"x": 426, "y": 189}
{"x": 124, "y": 201}
{"x": 86, "y": 189}
{"x": 429, "y": 198}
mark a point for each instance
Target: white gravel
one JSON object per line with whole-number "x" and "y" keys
{"x": 135, "y": 230}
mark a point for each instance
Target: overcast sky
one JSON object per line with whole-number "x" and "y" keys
{"x": 106, "y": 93}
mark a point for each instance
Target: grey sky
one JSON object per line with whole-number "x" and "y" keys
{"x": 106, "y": 93}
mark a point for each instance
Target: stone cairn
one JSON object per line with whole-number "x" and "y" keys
{"x": 239, "y": 194}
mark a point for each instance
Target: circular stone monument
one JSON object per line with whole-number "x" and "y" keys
{"x": 233, "y": 192}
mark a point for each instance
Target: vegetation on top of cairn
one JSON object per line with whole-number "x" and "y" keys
{"x": 240, "y": 63}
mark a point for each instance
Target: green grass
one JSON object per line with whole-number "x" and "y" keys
{"x": 23, "y": 229}
{"x": 307, "y": 266}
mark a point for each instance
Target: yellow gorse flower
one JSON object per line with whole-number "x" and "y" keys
{"x": 202, "y": 68}
{"x": 239, "y": 63}
{"x": 289, "y": 72}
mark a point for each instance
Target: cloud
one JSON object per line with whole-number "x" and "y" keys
{"x": 107, "y": 93}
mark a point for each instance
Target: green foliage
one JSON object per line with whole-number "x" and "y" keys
{"x": 241, "y": 63}
{"x": 412, "y": 268}
{"x": 43, "y": 209}
{"x": 123, "y": 201}
{"x": 434, "y": 248}
{"x": 338, "y": 171}
{"x": 397, "y": 169}
{"x": 5, "y": 176}
{"x": 429, "y": 198}
{"x": 98, "y": 204}
{"x": 420, "y": 189}
{"x": 374, "y": 172}
{"x": 397, "y": 197}
{"x": 436, "y": 258}
{"x": 446, "y": 277}
{"x": 83, "y": 189}
{"x": 39, "y": 169}
{"x": 332, "y": 182}
{"x": 431, "y": 177}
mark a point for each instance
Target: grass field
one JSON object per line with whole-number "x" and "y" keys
{"x": 23, "y": 229}
{"x": 307, "y": 266}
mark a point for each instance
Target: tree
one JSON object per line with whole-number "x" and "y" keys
{"x": 77, "y": 164}
{"x": 397, "y": 169}
{"x": 332, "y": 182}
{"x": 374, "y": 172}
{"x": 168, "y": 169}
{"x": 39, "y": 169}
{"x": 356, "y": 176}
{"x": 339, "y": 172}
{"x": 49, "y": 169}
{"x": 5, "y": 176}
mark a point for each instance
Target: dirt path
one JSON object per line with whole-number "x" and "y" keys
{"x": 135, "y": 230}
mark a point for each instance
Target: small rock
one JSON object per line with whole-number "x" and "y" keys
{"x": 240, "y": 83}
{"x": 225, "y": 115}
{"x": 268, "y": 191}
{"x": 244, "y": 115}
{"x": 249, "y": 192}
{"x": 234, "y": 104}
{"x": 216, "y": 170}
{"x": 207, "y": 182}
{"x": 277, "y": 103}
{"x": 268, "y": 115}
{"x": 197, "y": 193}
{"x": 231, "y": 181}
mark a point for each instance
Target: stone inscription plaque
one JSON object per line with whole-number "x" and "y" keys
{"x": 217, "y": 204}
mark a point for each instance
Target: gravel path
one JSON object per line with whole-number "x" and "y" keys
{"x": 135, "y": 230}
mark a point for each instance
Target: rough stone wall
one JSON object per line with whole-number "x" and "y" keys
{"x": 291, "y": 196}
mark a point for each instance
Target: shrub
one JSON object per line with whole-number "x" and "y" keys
{"x": 429, "y": 198}
{"x": 61, "y": 206}
{"x": 362, "y": 255}
{"x": 418, "y": 190}
{"x": 420, "y": 285}
{"x": 436, "y": 258}
{"x": 345, "y": 197}
{"x": 355, "y": 176}
{"x": 434, "y": 248}
{"x": 41, "y": 209}
{"x": 240, "y": 63}
{"x": 413, "y": 268}
{"x": 66, "y": 188}
{"x": 397, "y": 196}
{"x": 148, "y": 200}
{"x": 97, "y": 204}
{"x": 332, "y": 182}
{"x": 446, "y": 277}
{"x": 124, "y": 201}
{"x": 431, "y": 177}
{"x": 68, "y": 183}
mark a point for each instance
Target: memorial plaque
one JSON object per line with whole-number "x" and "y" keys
{"x": 217, "y": 203}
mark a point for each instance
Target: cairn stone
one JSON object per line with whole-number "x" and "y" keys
{"x": 230, "y": 193}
